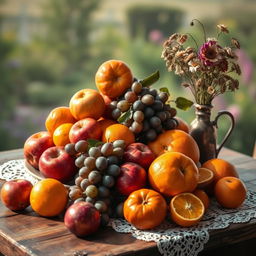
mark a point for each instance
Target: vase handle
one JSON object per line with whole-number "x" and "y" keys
{"x": 215, "y": 123}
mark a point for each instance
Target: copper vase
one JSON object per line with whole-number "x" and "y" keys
{"x": 204, "y": 131}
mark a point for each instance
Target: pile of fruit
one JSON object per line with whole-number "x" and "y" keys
{"x": 121, "y": 152}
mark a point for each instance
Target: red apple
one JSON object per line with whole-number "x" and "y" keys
{"x": 56, "y": 163}
{"x": 131, "y": 178}
{"x": 35, "y": 145}
{"x": 82, "y": 219}
{"x": 139, "y": 153}
{"x": 15, "y": 194}
{"x": 84, "y": 129}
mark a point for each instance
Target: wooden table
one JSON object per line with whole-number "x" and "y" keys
{"x": 29, "y": 234}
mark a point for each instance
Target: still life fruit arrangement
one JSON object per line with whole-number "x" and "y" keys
{"x": 121, "y": 152}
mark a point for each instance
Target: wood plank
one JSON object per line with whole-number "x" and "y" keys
{"x": 29, "y": 234}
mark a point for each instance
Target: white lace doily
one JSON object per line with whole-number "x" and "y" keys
{"x": 171, "y": 239}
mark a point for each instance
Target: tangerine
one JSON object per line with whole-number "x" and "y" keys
{"x": 61, "y": 134}
{"x": 203, "y": 197}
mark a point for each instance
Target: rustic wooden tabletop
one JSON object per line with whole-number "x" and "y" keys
{"x": 29, "y": 234}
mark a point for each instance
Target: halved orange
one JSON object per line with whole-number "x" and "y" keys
{"x": 206, "y": 177}
{"x": 186, "y": 209}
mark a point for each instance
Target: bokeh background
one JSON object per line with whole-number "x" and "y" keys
{"x": 49, "y": 49}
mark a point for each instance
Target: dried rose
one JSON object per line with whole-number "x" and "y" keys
{"x": 223, "y": 28}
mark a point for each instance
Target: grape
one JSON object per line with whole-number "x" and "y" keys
{"x": 155, "y": 121}
{"x": 170, "y": 124}
{"x": 80, "y": 199}
{"x": 101, "y": 163}
{"x": 106, "y": 200}
{"x": 101, "y": 206}
{"x": 146, "y": 126}
{"x": 130, "y": 97}
{"x": 94, "y": 152}
{"x": 173, "y": 112}
{"x": 159, "y": 129}
{"x": 81, "y": 146}
{"x": 113, "y": 104}
{"x": 89, "y": 162}
{"x": 113, "y": 170}
{"x": 70, "y": 149}
{"x": 138, "y": 116}
{"x": 158, "y": 105}
{"x": 84, "y": 171}
{"x": 120, "y": 210}
{"x": 75, "y": 193}
{"x": 119, "y": 144}
{"x": 91, "y": 191}
{"x": 103, "y": 191}
{"x": 128, "y": 122}
{"x": 148, "y": 99}
{"x": 79, "y": 162}
{"x": 136, "y": 87}
{"x": 144, "y": 91}
{"x": 163, "y": 96}
{"x": 161, "y": 115}
{"x": 151, "y": 135}
{"x": 118, "y": 152}
{"x": 138, "y": 105}
{"x": 153, "y": 92}
{"x": 123, "y": 105}
{"x": 108, "y": 181}
{"x": 104, "y": 219}
{"x": 84, "y": 184}
{"x": 78, "y": 180}
{"x": 116, "y": 113}
{"x": 90, "y": 200}
{"x": 168, "y": 115}
{"x": 107, "y": 149}
{"x": 94, "y": 177}
{"x": 136, "y": 127}
{"x": 113, "y": 160}
{"x": 149, "y": 112}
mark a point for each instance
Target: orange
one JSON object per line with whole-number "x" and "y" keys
{"x": 230, "y": 192}
{"x": 220, "y": 168}
{"x": 113, "y": 78}
{"x": 58, "y": 116}
{"x": 145, "y": 208}
{"x": 203, "y": 197}
{"x": 61, "y": 134}
{"x": 118, "y": 132}
{"x": 183, "y": 125}
{"x": 186, "y": 209}
{"x": 48, "y": 197}
{"x": 104, "y": 123}
{"x": 173, "y": 173}
{"x": 175, "y": 141}
{"x": 87, "y": 103}
{"x": 206, "y": 177}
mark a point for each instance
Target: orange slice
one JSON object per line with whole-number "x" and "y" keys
{"x": 203, "y": 196}
{"x": 206, "y": 177}
{"x": 186, "y": 209}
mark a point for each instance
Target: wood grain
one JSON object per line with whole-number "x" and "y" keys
{"x": 28, "y": 234}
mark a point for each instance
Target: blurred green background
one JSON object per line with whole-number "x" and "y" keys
{"x": 49, "y": 49}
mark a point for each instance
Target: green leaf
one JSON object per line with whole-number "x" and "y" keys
{"x": 125, "y": 116}
{"x": 94, "y": 143}
{"x": 183, "y": 103}
{"x": 164, "y": 89}
{"x": 150, "y": 79}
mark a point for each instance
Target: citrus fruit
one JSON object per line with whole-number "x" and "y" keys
{"x": 61, "y": 134}
{"x": 203, "y": 196}
{"x": 48, "y": 197}
{"x": 113, "y": 78}
{"x": 230, "y": 192}
{"x": 182, "y": 125}
{"x": 145, "y": 208}
{"x": 87, "y": 103}
{"x": 206, "y": 177}
{"x": 175, "y": 141}
{"x": 104, "y": 123}
{"x": 220, "y": 168}
{"x": 118, "y": 132}
{"x": 186, "y": 209}
{"x": 58, "y": 116}
{"x": 172, "y": 173}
